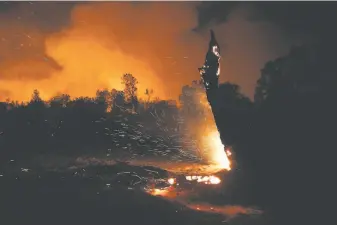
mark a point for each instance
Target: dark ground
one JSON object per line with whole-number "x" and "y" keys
{"x": 67, "y": 197}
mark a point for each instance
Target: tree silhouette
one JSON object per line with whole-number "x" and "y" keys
{"x": 61, "y": 100}
{"x": 193, "y": 100}
{"x": 269, "y": 74}
{"x": 149, "y": 93}
{"x": 118, "y": 101}
{"x": 36, "y": 96}
{"x": 104, "y": 99}
{"x": 36, "y": 102}
{"x": 295, "y": 99}
{"x": 235, "y": 110}
{"x": 130, "y": 89}
{"x": 293, "y": 76}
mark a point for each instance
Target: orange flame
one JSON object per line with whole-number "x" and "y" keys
{"x": 218, "y": 154}
{"x": 204, "y": 179}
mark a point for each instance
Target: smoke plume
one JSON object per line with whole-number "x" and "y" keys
{"x": 77, "y": 49}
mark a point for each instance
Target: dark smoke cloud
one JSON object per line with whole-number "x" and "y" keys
{"x": 302, "y": 17}
{"x": 23, "y": 29}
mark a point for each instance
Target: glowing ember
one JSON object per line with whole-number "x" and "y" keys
{"x": 217, "y": 155}
{"x": 171, "y": 181}
{"x": 214, "y": 180}
{"x": 204, "y": 179}
{"x": 158, "y": 192}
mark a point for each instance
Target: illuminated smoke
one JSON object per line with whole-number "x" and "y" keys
{"x": 101, "y": 41}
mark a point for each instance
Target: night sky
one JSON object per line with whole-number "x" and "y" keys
{"x": 77, "y": 48}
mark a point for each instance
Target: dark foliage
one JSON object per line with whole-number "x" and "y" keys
{"x": 291, "y": 149}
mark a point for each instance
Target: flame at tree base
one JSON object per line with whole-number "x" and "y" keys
{"x": 217, "y": 154}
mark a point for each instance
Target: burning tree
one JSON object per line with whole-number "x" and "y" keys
{"x": 210, "y": 72}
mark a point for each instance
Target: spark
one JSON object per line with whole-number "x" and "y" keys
{"x": 28, "y": 36}
{"x": 158, "y": 192}
{"x": 24, "y": 170}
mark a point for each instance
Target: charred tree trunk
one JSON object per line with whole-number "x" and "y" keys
{"x": 210, "y": 72}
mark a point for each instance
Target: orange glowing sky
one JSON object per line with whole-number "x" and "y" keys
{"x": 101, "y": 41}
